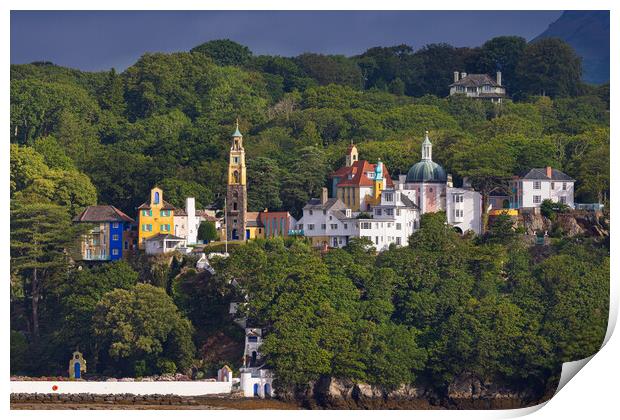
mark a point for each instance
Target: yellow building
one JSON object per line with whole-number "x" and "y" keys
{"x": 155, "y": 217}
{"x": 236, "y": 191}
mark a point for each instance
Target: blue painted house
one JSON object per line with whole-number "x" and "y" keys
{"x": 111, "y": 235}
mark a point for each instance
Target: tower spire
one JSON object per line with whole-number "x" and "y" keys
{"x": 427, "y": 148}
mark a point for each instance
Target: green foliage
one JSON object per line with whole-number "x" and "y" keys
{"x": 549, "y": 208}
{"x": 207, "y": 232}
{"x": 549, "y": 67}
{"x": 142, "y": 323}
{"x": 225, "y": 52}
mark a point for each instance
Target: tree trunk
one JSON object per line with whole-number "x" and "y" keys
{"x": 35, "y": 307}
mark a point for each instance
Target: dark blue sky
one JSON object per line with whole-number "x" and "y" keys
{"x": 99, "y": 40}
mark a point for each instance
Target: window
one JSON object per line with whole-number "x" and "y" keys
{"x": 310, "y": 212}
{"x": 323, "y": 226}
{"x": 333, "y": 226}
{"x": 330, "y": 217}
{"x": 147, "y": 212}
{"x": 398, "y": 240}
{"x": 147, "y": 228}
{"x": 115, "y": 225}
{"x": 553, "y": 185}
{"x": 236, "y": 159}
{"x": 536, "y": 199}
{"x": 156, "y": 198}
{"x": 389, "y": 212}
{"x": 236, "y": 177}
{"x": 300, "y": 226}
{"x": 398, "y": 212}
{"x": 126, "y": 245}
{"x": 365, "y": 225}
{"x": 311, "y": 226}
{"x": 115, "y": 251}
{"x": 388, "y": 196}
{"x": 165, "y": 213}
{"x": 536, "y": 185}
{"x": 165, "y": 228}
{"x": 376, "y": 240}
{"x": 346, "y": 226}
{"x": 564, "y": 186}
{"x": 399, "y": 226}
{"x": 324, "y": 212}
{"x": 115, "y": 237}
{"x": 378, "y": 212}
{"x": 563, "y": 200}
{"x": 457, "y": 198}
{"x": 234, "y": 205}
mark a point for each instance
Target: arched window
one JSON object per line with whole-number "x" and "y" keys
{"x": 234, "y": 205}
{"x": 156, "y": 197}
{"x": 236, "y": 177}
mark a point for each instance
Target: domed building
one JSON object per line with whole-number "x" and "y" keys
{"x": 428, "y": 179}
{"x": 429, "y": 185}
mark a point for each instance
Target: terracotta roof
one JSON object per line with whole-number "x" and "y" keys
{"x": 541, "y": 173}
{"x": 472, "y": 80}
{"x": 102, "y": 214}
{"x": 166, "y": 206}
{"x": 357, "y": 172}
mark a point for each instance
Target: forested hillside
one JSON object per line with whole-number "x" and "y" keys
{"x": 167, "y": 119}
{"x": 446, "y": 304}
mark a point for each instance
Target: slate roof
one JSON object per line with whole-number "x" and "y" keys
{"x": 102, "y": 214}
{"x": 407, "y": 201}
{"x": 476, "y": 80}
{"x": 162, "y": 236}
{"x": 541, "y": 174}
{"x": 315, "y": 204}
{"x": 166, "y": 206}
{"x": 252, "y": 219}
{"x": 357, "y": 172}
{"x": 199, "y": 213}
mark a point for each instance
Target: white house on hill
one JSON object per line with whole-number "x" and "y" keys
{"x": 540, "y": 184}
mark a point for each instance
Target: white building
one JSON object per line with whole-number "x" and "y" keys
{"x": 188, "y": 220}
{"x": 393, "y": 220}
{"x": 327, "y": 222}
{"x": 540, "y": 184}
{"x": 478, "y": 86}
{"x": 163, "y": 243}
{"x": 464, "y": 209}
{"x": 256, "y": 380}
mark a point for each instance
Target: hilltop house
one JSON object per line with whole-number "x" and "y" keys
{"x": 155, "y": 216}
{"x": 109, "y": 236}
{"x": 478, "y": 86}
{"x": 539, "y": 184}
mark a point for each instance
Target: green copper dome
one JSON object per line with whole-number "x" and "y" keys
{"x": 426, "y": 171}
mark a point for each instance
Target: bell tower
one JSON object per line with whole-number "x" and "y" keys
{"x": 236, "y": 191}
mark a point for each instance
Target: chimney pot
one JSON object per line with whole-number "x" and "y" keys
{"x": 549, "y": 171}
{"x": 323, "y": 195}
{"x": 456, "y": 76}
{"x": 463, "y": 75}
{"x": 499, "y": 78}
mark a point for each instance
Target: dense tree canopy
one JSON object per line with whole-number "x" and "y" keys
{"x": 428, "y": 312}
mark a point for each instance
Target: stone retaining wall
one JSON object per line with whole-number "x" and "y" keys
{"x": 124, "y": 399}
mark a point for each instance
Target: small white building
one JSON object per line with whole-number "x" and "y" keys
{"x": 163, "y": 243}
{"x": 464, "y": 209}
{"x": 255, "y": 379}
{"x": 540, "y": 184}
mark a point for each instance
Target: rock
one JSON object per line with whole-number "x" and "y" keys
{"x": 126, "y": 380}
{"x": 111, "y": 380}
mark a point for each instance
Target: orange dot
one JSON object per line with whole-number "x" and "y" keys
{"x": 55, "y": 388}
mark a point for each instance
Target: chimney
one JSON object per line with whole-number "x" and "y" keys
{"x": 549, "y": 172}
{"x": 323, "y": 195}
{"x": 190, "y": 206}
{"x": 463, "y": 75}
{"x": 456, "y": 76}
{"x": 449, "y": 181}
{"x": 499, "y": 78}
